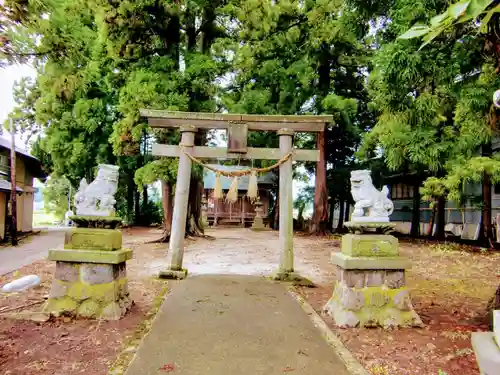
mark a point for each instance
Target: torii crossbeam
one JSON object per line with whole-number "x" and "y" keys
{"x": 237, "y": 127}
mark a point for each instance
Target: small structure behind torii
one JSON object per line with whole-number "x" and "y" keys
{"x": 237, "y": 127}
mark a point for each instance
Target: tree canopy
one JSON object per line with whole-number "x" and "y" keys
{"x": 423, "y": 105}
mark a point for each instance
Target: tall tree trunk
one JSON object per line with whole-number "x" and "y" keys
{"x": 190, "y": 29}
{"x": 415, "y": 215}
{"x": 340, "y": 224}
{"x": 168, "y": 206}
{"x": 432, "y": 220}
{"x": 347, "y": 211}
{"x": 300, "y": 219}
{"x": 167, "y": 203}
{"x": 193, "y": 222}
{"x": 275, "y": 213}
{"x": 486, "y": 229}
{"x": 486, "y": 235}
{"x": 173, "y": 39}
{"x": 208, "y": 28}
{"x": 137, "y": 207}
{"x": 331, "y": 214}
{"x": 13, "y": 185}
{"x": 145, "y": 198}
{"x": 320, "y": 217}
{"x": 130, "y": 197}
{"x": 440, "y": 218}
{"x": 319, "y": 223}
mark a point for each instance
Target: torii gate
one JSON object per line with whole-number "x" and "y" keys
{"x": 237, "y": 127}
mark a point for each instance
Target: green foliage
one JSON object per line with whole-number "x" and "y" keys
{"x": 460, "y": 175}
{"x": 162, "y": 169}
{"x": 55, "y": 196}
{"x": 99, "y": 62}
{"x": 434, "y": 104}
{"x": 461, "y": 12}
{"x": 304, "y": 199}
{"x": 152, "y": 213}
{"x": 302, "y": 58}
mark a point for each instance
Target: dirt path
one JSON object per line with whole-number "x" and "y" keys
{"x": 241, "y": 325}
{"x": 240, "y": 251}
{"x": 34, "y": 248}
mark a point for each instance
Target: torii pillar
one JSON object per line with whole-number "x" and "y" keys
{"x": 179, "y": 218}
{"x": 286, "y": 206}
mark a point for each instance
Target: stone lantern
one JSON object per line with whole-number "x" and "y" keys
{"x": 258, "y": 222}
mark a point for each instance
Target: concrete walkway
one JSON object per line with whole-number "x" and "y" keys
{"x": 233, "y": 325}
{"x": 34, "y": 248}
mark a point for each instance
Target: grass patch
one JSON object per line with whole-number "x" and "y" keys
{"x": 42, "y": 218}
{"x": 131, "y": 345}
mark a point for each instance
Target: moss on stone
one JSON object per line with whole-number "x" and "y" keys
{"x": 294, "y": 278}
{"x": 380, "y": 306}
{"x": 90, "y": 256}
{"x": 89, "y": 309}
{"x": 93, "y": 239}
{"x": 112, "y": 311}
{"x": 106, "y": 222}
{"x": 60, "y": 306}
{"x": 369, "y": 245}
{"x": 370, "y": 263}
{"x": 98, "y": 292}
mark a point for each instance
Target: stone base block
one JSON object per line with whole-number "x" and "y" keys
{"x": 356, "y": 278}
{"x": 374, "y": 226}
{"x": 258, "y": 224}
{"x": 370, "y": 263}
{"x": 294, "y": 278}
{"x": 369, "y": 245}
{"x": 93, "y": 239}
{"x": 487, "y": 352}
{"x": 89, "y": 290}
{"x": 90, "y": 256}
{"x": 371, "y": 306}
{"x": 259, "y": 229}
{"x": 173, "y": 274}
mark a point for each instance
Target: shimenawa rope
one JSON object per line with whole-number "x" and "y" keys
{"x": 232, "y": 195}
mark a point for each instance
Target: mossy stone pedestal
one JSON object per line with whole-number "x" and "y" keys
{"x": 90, "y": 279}
{"x": 370, "y": 288}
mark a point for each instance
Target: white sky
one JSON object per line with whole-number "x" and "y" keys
{"x": 8, "y": 76}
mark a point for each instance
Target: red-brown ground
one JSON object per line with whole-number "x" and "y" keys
{"x": 60, "y": 347}
{"x": 450, "y": 290}
{"x": 450, "y": 286}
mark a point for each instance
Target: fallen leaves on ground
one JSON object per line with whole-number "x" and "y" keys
{"x": 450, "y": 285}
{"x": 67, "y": 346}
{"x": 169, "y": 367}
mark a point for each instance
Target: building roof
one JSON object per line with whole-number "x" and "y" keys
{"x": 6, "y": 186}
{"x": 209, "y": 177}
{"x": 31, "y": 163}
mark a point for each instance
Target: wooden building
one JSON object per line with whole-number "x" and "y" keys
{"x": 241, "y": 212}
{"x": 27, "y": 168}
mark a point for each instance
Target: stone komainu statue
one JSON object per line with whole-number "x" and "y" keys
{"x": 97, "y": 198}
{"x": 371, "y": 204}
